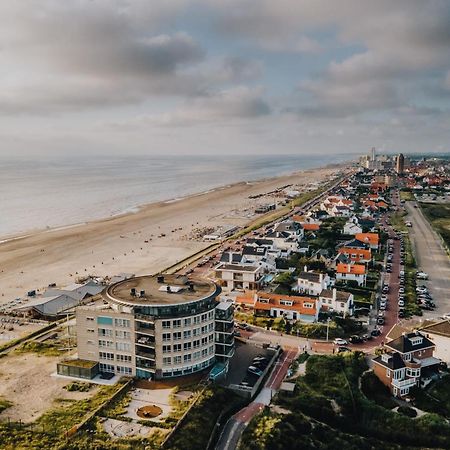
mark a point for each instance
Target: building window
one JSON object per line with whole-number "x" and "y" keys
{"x": 104, "y": 320}
{"x": 407, "y": 357}
{"x": 204, "y": 317}
{"x": 196, "y": 343}
{"x": 123, "y": 358}
{"x": 187, "y": 358}
{"x": 166, "y": 337}
{"x": 166, "y": 348}
{"x": 187, "y": 346}
{"x": 123, "y": 346}
{"x": 177, "y": 347}
{"x": 123, "y": 323}
{"x": 167, "y": 361}
{"x": 90, "y": 319}
{"x": 120, "y": 334}
{"x": 90, "y": 330}
{"x": 187, "y": 334}
{"x": 196, "y": 320}
{"x": 176, "y": 323}
{"x": 196, "y": 331}
{"x": 197, "y": 355}
{"x": 388, "y": 373}
{"x": 124, "y": 370}
{"x": 166, "y": 323}
{"x": 106, "y": 367}
{"x": 187, "y": 322}
{"x": 104, "y": 343}
{"x": 105, "y": 332}
{"x": 204, "y": 340}
{"x": 176, "y": 336}
{"x": 106, "y": 355}
{"x": 177, "y": 360}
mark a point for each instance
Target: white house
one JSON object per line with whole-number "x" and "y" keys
{"x": 351, "y": 272}
{"x": 340, "y": 302}
{"x": 352, "y": 226}
{"x": 239, "y": 276}
{"x": 439, "y": 333}
{"x": 312, "y": 283}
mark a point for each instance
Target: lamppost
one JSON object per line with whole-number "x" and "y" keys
{"x": 328, "y": 326}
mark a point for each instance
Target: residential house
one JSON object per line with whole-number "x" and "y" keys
{"x": 371, "y": 239}
{"x": 292, "y": 307}
{"x": 407, "y": 362}
{"x": 312, "y": 283}
{"x": 351, "y": 272}
{"x": 333, "y": 300}
{"x": 239, "y": 276}
{"x": 352, "y": 226}
{"x": 358, "y": 255}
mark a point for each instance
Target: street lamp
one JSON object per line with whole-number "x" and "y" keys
{"x": 328, "y": 326}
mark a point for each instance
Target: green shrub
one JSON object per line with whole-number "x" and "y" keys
{"x": 407, "y": 411}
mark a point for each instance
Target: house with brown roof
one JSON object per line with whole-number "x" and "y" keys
{"x": 356, "y": 255}
{"x": 333, "y": 300}
{"x": 407, "y": 362}
{"x": 351, "y": 272}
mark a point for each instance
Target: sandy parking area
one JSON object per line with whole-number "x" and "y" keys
{"x": 25, "y": 380}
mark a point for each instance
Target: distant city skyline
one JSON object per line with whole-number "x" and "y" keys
{"x": 238, "y": 76}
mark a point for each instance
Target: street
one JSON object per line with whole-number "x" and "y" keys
{"x": 432, "y": 259}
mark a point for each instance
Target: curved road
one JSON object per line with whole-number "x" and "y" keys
{"x": 432, "y": 259}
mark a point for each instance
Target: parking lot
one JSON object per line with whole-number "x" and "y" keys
{"x": 242, "y": 359}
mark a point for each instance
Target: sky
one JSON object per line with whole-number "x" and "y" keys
{"x": 224, "y": 76}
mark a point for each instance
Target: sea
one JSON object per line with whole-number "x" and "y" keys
{"x": 38, "y": 193}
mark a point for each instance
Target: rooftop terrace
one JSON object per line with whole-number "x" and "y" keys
{"x": 160, "y": 290}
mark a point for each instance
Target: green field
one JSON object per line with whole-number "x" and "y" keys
{"x": 439, "y": 216}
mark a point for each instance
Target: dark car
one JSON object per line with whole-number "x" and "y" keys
{"x": 106, "y": 375}
{"x": 401, "y": 314}
{"x": 355, "y": 339}
{"x": 343, "y": 349}
{"x": 375, "y": 332}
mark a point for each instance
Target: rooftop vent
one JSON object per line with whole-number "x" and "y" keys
{"x": 160, "y": 278}
{"x": 142, "y": 294}
{"x": 133, "y": 292}
{"x": 191, "y": 286}
{"x": 168, "y": 289}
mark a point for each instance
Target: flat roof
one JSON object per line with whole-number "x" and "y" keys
{"x": 160, "y": 290}
{"x": 237, "y": 267}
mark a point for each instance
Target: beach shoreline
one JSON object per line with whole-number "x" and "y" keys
{"x": 129, "y": 242}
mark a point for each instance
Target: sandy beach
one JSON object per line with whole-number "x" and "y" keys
{"x": 132, "y": 242}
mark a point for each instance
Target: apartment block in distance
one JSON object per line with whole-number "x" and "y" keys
{"x": 155, "y": 327}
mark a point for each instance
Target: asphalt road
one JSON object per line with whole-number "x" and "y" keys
{"x": 432, "y": 259}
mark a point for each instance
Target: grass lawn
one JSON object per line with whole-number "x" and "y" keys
{"x": 439, "y": 217}
{"x": 435, "y": 398}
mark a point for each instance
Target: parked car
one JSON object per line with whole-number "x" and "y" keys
{"x": 422, "y": 275}
{"x": 255, "y": 371}
{"x": 401, "y": 303}
{"x": 380, "y": 321}
{"x": 339, "y": 341}
{"x": 375, "y": 332}
{"x": 343, "y": 349}
{"x": 355, "y": 339}
{"x": 401, "y": 314}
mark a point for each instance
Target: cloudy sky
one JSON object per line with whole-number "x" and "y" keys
{"x": 224, "y": 76}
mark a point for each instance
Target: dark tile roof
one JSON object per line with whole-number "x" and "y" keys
{"x": 254, "y": 251}
{"x": 394, "y": 362}
{"x": 403, "y": 343}
{"x": 260, "y": 242}
{"x": 310, "y": 276}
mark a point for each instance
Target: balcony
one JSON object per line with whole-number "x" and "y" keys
{"x": 404, "y": 383}
{"x": 145, "y": 364}
{"x": 224, "y": 327}
{"x": 146, "y": 341}
{"x": 146, "y": 355}
{"x": 224, "y": 351}
{"x": 224, "y": 339}
{"x": 144, "y": 318}
{"x": 145, "y": 330}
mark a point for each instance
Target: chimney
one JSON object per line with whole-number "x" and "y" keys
{"x": 305, "y": 268}
{"x": 168, "y": 289}
{"x": 142, "y": 294}
{"x": 321, "y": 278}
{"x": 334, "y": 294}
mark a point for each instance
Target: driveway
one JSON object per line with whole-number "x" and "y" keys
{"x": 432, "y": 259}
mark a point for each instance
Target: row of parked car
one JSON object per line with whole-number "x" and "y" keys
{"x": 255, "y": 370}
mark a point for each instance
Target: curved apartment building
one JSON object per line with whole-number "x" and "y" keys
{"x": 156, "y": 327}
